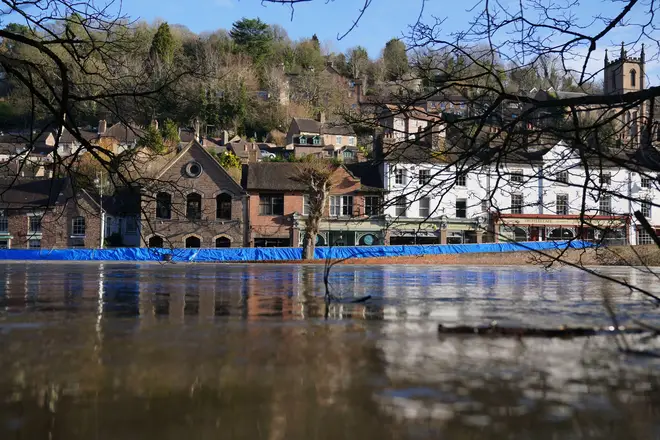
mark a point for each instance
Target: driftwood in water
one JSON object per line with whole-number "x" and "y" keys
{"x": 561, "y": 332}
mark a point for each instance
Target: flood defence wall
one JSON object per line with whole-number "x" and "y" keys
{"x": 275, "y": 254}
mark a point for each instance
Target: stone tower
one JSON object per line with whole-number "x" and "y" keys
{"x": 625, "y": 75}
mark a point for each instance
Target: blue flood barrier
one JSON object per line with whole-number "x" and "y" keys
{"x": 277, "y": 254}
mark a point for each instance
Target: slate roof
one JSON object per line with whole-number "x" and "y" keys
{"x": 68, "y": 138}
{"x": 25, "y": 193}
{"x": 123, "y": 202}
{"x": 306, "y": 125}
{"x": 368, "y": 173}
{"x": 123, "y": 133}
{"x": 274, "y": 176}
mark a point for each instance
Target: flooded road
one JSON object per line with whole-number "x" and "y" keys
{"x": 128, "y": 351}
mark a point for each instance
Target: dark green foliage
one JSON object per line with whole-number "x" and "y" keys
{"x": 162, "y": 45}
{"x": 253, "y": 37}
{"x": 395, "y": 59}
{"x": 170, "y": 132}
{"x": 153, "y": 140}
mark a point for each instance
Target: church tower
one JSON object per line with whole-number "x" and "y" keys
{"x": 625, "y": 75}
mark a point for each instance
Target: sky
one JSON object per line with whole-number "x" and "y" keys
{"x": 383, "y": 20}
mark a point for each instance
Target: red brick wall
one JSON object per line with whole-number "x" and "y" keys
{"x": 209, "y": 184}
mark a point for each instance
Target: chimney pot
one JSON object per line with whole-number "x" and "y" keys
{"x": 103, "y": 126}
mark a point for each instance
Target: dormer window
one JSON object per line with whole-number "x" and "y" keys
{"x": 302, "y": 140}
{"x": 316, "y": 140}
{"x": 633, "y": 78}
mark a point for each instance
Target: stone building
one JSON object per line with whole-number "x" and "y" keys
{"x": 191, "y": 201}
{"x": 47, "y": 213}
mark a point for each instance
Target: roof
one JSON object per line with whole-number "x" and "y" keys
{"x": 306, "y": 125}
{"x": 68, "y": 138}
{"x": 124, "y": 133}
{"x": 123, "y": 202}
{"x": 25, "y": 193}
{"x": 368, "y": 173}
{"x": 412, "y": 112}
{"x": 274, "y": 176}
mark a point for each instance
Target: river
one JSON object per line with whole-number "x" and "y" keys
{"x": 193, "y": 351}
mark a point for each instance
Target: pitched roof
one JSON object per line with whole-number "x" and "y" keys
{"x": 307, "y": 125}
{"x": 25, "y": 193}
{"x": 68, "y": 138}
{"x": 123, "y": 202}
{"x": 368, "y": 173}
{"x": 124, "y": 133}
{"x": 274, "y": 176}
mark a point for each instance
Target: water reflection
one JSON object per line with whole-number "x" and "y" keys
{"x": 158, "y": 352}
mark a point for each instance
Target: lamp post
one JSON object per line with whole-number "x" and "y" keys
{"x": 99, "y": 182}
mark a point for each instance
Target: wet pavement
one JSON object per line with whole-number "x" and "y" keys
{"x": 127, "y": 351}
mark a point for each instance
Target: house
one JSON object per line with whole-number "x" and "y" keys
{"x": 46, "y": 213}
{"x": 122, "y": 227}
{"x": 118, "y": 137}
{"x": 277, "y": 208}
{"x": 406, "y": 123}
{"x": 189, "y": 200}
{"x": 319, "y": 133}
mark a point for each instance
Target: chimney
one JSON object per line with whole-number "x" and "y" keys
{"x": 197, "y": 129}
{"x": 321, "y": 117}
{"x": 224, "y": 138}
{"x": 103, "y": 126}
{"x": 154, "y": 123}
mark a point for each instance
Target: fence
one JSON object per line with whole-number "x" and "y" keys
{"x": 275, "y": 254}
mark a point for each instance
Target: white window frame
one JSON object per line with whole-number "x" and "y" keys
{"x": 645, "y": 208}
{"x": 371, "y": 206}
{"x": 351, "y": 140}
{"x": 340, "y": 206}
{"x": 562, "y": 177}
{"x": 305, "y": 207}
{"x": 75, "y": 233}
{"x": 461, "y": 180}
{"x": 399, "y": 176}
{"x": 131, "y": 220}
{"x": 464, "y": 200}
{"x": 517, "y": 176}
{"x": 643, "y": 237}
{"x": 607, "y": 211}
{"x": 646, "y": 182}
{"x": 606, "y": 179}
{"x": 515, "y": 207}
{"x": 427, "y": 178}
{"x": 401, "y": 206}
{"x": 563, "y": 204}
{"x": 425, "y": 211}
{"x": 339, "y": 140}
{"x": 30, "y": 231}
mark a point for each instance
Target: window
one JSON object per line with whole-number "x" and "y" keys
{"x": 562, "y": 177}
{"x": 341, "y": 206}
{"x": 78, "y": 226}
{"x": 646, "y": 182}
{"x": 372, "y": 205}
{"x": 461, "y": 180}
{"x": 302, "y": 140}
{"x": 562, "y": 204}
{"x": 633, "y": 78}
{"x": 35, "y": 243}
{"x": 4, "y": 243}
{"x": 131, "y": 225}
{"x": 605, "y": 204}
{"x": 646, "y": 209}
{"x": 348, "y": 154}
{"x": 271, "y": 204}
{"x": 34, "y": 226}
{"x": 156, "y": 242}
{"x": 338, "y": 140}
{"x": 316, "y": 140}
{"x": 193, "y": 242}
{"x": 305, "y": 209}
{"x": 351, "y": 140}
{"x": 223, "y": 206}
{"x": 643, "y": 237}
{"x": 4, "y": 223}
{"x": 163, "y": 205}
{"x": 400, "y": 176}
{"x": 461, "y": 208}
{"x": 77, "y": 243}
{"x": 194, "y": 206}
{"x": 424, "y": 177}
{"x": 424, "y": 207}
{"x": 517, "y": 176}
{"x": 222, "y": 242}
{"x": 516, "y": 204}
{"x": 485, "y": 205}
{"x": 401, "y": 204}
{"x": 605, "y": 179}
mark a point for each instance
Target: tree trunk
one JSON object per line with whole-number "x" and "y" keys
{"x": 309, "y": 240}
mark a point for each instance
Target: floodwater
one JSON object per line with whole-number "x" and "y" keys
{"x": 127, "y": 351}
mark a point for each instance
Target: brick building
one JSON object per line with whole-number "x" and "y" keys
{"x": 277, "y": 208}
{"x": 47, "y": 213}
{"x": 191, "y": 201}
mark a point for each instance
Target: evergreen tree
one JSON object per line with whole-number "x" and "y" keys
{"x": 162, "y": 45}
{"x": 395, "y": 59}
{"x": 253, "y": 37}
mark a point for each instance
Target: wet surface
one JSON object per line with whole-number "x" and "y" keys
{"x": 124, "y": 351}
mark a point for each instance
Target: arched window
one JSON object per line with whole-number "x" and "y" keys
{"x": 194, "y": 206}
{"x": 193, "y": 242}
{"x": 633, "y": 78}
{"x": 78, "y": 227}
{"x": 223, "y": 207}
{"x": 163, "y": 205}
{"x": 560, "y": 234}
{"x": 222, "y": 242}
{"x": 156, "y": 242}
